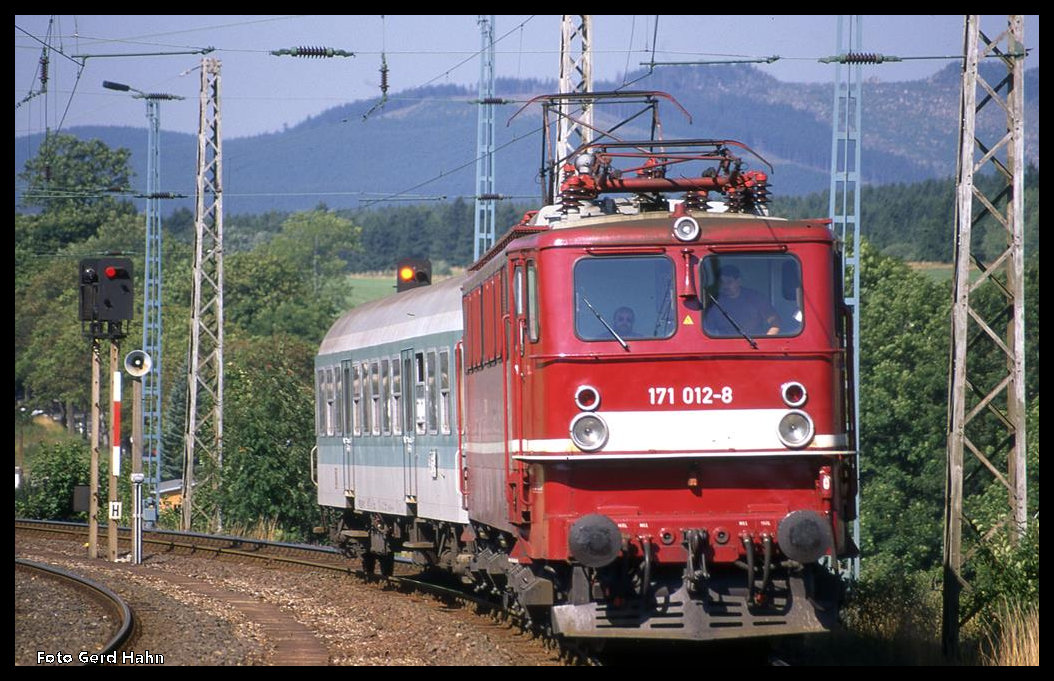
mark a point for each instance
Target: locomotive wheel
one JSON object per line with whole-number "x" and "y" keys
{"x": 387, "y": 563}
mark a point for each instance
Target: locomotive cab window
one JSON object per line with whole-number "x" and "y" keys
{"x": 624, "y": 298}
{"x": 755, "y": 295}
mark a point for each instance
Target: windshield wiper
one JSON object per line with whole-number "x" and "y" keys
{"x": 738, "y": 328}
{"x": 606, "y": 325}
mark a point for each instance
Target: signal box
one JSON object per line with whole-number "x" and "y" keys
{"x": 413, "y": 272}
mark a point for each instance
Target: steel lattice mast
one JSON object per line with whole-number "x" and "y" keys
{"x": 844, "y": 209}
{"x": 204, "y": 431}
{"x": 575, "y": 124}
{"x": 485, "y": 195}
{"x": 979, "y": 403}
{"x": 152, "y": 326}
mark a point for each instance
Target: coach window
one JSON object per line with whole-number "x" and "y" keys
{"x": 348, "y": 399}
{"x": 430, "y": 390}
{"x": 375, "y": 397}
{"x": 444, "y": 391}
{"x": 419, "y": 393}
{"x": 338, "y": 401}
{"x": 329, "y": 401}
{"x": 624, "y": 298}
{"x": 397, "y": 394}
{"x": 385, "y": 402}
{"x": 356, "y": 398}
{"x": 367, "y": 422}
{"x": 320, "y": 402}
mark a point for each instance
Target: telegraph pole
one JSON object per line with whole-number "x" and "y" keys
{"x": 977, "y": 403}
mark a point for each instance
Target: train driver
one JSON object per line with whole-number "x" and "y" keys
{"x": 623, "y": 322}
{"x": 750, "y": 310}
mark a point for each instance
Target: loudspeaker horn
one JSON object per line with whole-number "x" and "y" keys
{"x": 137, "y": 363}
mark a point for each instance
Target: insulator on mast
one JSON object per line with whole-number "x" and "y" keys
{"x": 859, "y": 58}
{"x": 312, "y": 52}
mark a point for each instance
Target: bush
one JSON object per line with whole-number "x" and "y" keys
{"x": 47, "y": 491}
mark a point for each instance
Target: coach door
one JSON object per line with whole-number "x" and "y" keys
{"x": 348, "y": 397}
{"x": 411, "y": 389}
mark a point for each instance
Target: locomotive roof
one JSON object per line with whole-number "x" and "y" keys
{"x": 655, "y": 227}
{"x": 418, "y": 312}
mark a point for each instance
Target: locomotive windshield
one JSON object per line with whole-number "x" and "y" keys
{"x": 751, "y": 295}
{"x": 623, "y": 298}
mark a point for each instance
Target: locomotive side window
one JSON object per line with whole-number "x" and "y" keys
{"x": 631, "y": 297}
{"x": 517, "y": 289}
{"x": 755, "y": 295}
{"x": 532, "y": 301}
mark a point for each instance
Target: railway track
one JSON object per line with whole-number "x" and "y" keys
{"x": 120, "y": 615}
{"x": 535, "y": 646}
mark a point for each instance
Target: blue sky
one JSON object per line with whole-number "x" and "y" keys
{"x": 262, "y": 93}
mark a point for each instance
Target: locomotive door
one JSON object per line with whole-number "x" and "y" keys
{"x": 412, "y": 384}
{"x": 516, "y": 330}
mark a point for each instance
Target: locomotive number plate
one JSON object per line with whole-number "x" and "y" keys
{"x": 689, "y": 395}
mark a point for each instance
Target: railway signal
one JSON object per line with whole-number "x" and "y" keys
{"x": 107, "y": 292}
{"x": 413, "y": 272}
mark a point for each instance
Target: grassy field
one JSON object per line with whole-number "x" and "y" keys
{"x": 937, "y": 271}
{"x": 363, "y": 287}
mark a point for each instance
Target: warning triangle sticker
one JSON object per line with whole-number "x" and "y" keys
{"x": 688, "y": 321}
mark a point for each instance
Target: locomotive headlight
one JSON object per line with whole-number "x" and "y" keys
{"x": 794, "y": 394}
{"x": 795, "y": 429}
{"x": 589, "y": 432}
{"x": 587, "y": 398}
{"x": 686, "y": 229}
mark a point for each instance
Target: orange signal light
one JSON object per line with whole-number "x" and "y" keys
{"x": 406, "y": 273}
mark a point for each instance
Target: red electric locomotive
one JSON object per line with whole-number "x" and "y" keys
{"x": 653, "y": 405}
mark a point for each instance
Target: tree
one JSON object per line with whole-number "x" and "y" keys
{"x": 903, "y": 403}
{"x": 269, "y": 435}
{"x": 68, "y": 172}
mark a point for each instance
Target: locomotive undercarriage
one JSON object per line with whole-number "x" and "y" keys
{"x": 721, "y": 606}
{"x": 631, "y": 598}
